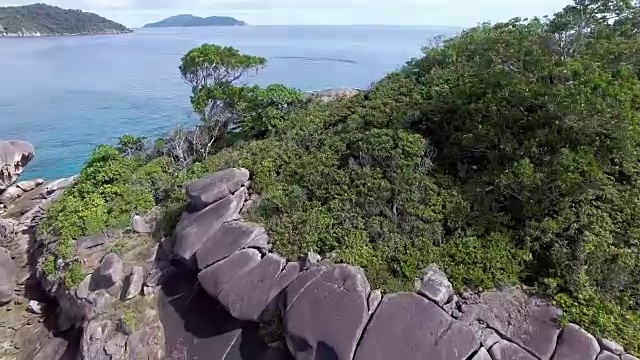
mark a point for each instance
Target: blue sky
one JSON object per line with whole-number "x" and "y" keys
{"x": 135, "y": 13}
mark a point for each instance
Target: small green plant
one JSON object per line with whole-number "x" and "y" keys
{"x": 73, "y": 274}
{"x": 49, "y": 266}
{"x": 118, "y": 248}
{"x": 130, "y": 321}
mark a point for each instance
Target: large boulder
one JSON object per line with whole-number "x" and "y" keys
{"x": 576, "y": 344}
{"x": 505, "y": 350}
{"x": 482, "y": 354}
{"x": 605, "y": 355}
{"x": 109, "y": 273}
{"x": 229, "y": 238}
{"x": 252, "y": 291}
{"x": 434, "y": 285}
{"x": 8, "y": 273}
{"x": 529, "y": 322}
{"x": 206, "y": 191}
{"x": 195, "y": 228}
{"x": 408, "y": 326}
{"x": 14, "y": 156}
{"x": 325, "y": 311}
{"x": 217, "y": 277}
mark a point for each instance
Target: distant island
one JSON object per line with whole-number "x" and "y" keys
{"x": 46, "y": 20}
{"x": 186, "y": 20}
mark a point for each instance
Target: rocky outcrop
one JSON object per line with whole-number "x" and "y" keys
{"x": 331, "y": 94}
{"x": 325, "y": 312}
{"x": 8, "y": 273}
{"x": 408, "y": 326}
{"x": 328, "y": 311}
{"x": 14, "y": 156}
{"x": 202, "y": 293}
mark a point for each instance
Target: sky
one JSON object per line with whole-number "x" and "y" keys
{"x": 135, "y": 13}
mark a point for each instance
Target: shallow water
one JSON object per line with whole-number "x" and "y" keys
{"x": 68, "y": 94}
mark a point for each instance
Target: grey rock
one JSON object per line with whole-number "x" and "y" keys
{"x": 9, "y": 195}
{"x": 194, "y": 229}
{"x": 93, "y": 241}
{"x": 59, "y": 184}
{"x": 35, "y": 307}
{"x": 488, "y": 337}
{"x": 84, "y": 288}
{"x": 159, "y": 273}
{"x": 96, "y": 303}
{"x": 529, "y": 322}
{"x": 208, "y": 190}
{"x": 628, "y": 357}
{"x": 325, "y": 315}
{"x": 29, "y": 185}
{"x": 505, "y": 350}
{"x": 434, "y": 285}
{"x": 611, "y": 346}
{"x": 228, "y": 239}
{"x": 331, "y": 94}
{"x": 133, "y": 283}
{"x": 94, "y": 337}
{"x": 605, "y": 355}
{"x": 374, "y": 300}
{"x": 251, "y": 292}
{"x": 218, "y": 276}
{"x": 53, "y": 349}
{"x": 148, "y": 291}
{"x": 482, "y": 354}
{"x": 408, "y": 326}
{"x": 116, "y": 346}
{"x": 312, "y": 259}
{"x": 109, "y": 273}
{"x": 8, "y": 272}
{"x": 576, "y": 344}
{"x": 140, "y": 225}
{"x": 14, "y": 156}
{"x": 147, "y": 343}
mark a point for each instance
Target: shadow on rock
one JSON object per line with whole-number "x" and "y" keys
{"x": 197, "y": 327}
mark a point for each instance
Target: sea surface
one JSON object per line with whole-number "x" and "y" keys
{"x": 66, "y": 95}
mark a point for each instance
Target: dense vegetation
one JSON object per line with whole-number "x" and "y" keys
{"x": 51, "y": 20}
{"x": 509, "y": 154}
{"x": 190, "y": 21}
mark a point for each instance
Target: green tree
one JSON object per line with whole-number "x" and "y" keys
{"x": 212, "y": 71}
{"x": 130, "y": 146}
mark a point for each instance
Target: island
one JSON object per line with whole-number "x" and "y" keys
{"x": 47, "y": 20}
{"x": 186, "y": 20}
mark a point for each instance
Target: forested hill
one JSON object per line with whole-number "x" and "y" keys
{"x": 190, "y": 20}
{"x": 46, "y": 20}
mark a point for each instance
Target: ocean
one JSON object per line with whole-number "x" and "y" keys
{"x": 66, "y": 95}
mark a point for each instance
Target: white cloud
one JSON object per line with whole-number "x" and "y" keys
{"x": 425, "y": 12}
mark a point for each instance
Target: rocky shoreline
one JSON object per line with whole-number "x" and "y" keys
{"x": 214, "y": 290}
{"x": 38, "y": 34}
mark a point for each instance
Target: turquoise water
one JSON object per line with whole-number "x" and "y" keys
{"x": 68, "y": 94}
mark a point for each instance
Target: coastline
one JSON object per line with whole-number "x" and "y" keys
{"x": 40, "y": 35}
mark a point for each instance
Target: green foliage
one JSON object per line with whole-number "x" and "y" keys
{"x": 111, "y": 189}
{"x": 73, "y": 274}
{"x": 508, "y": 154}
{"x": 130, "y": 145}
{"x": 610, "y": 318}
{"x": 264, "y": 110}
{"x": 52, "y": 20}
{"x": 216, "y": 65}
